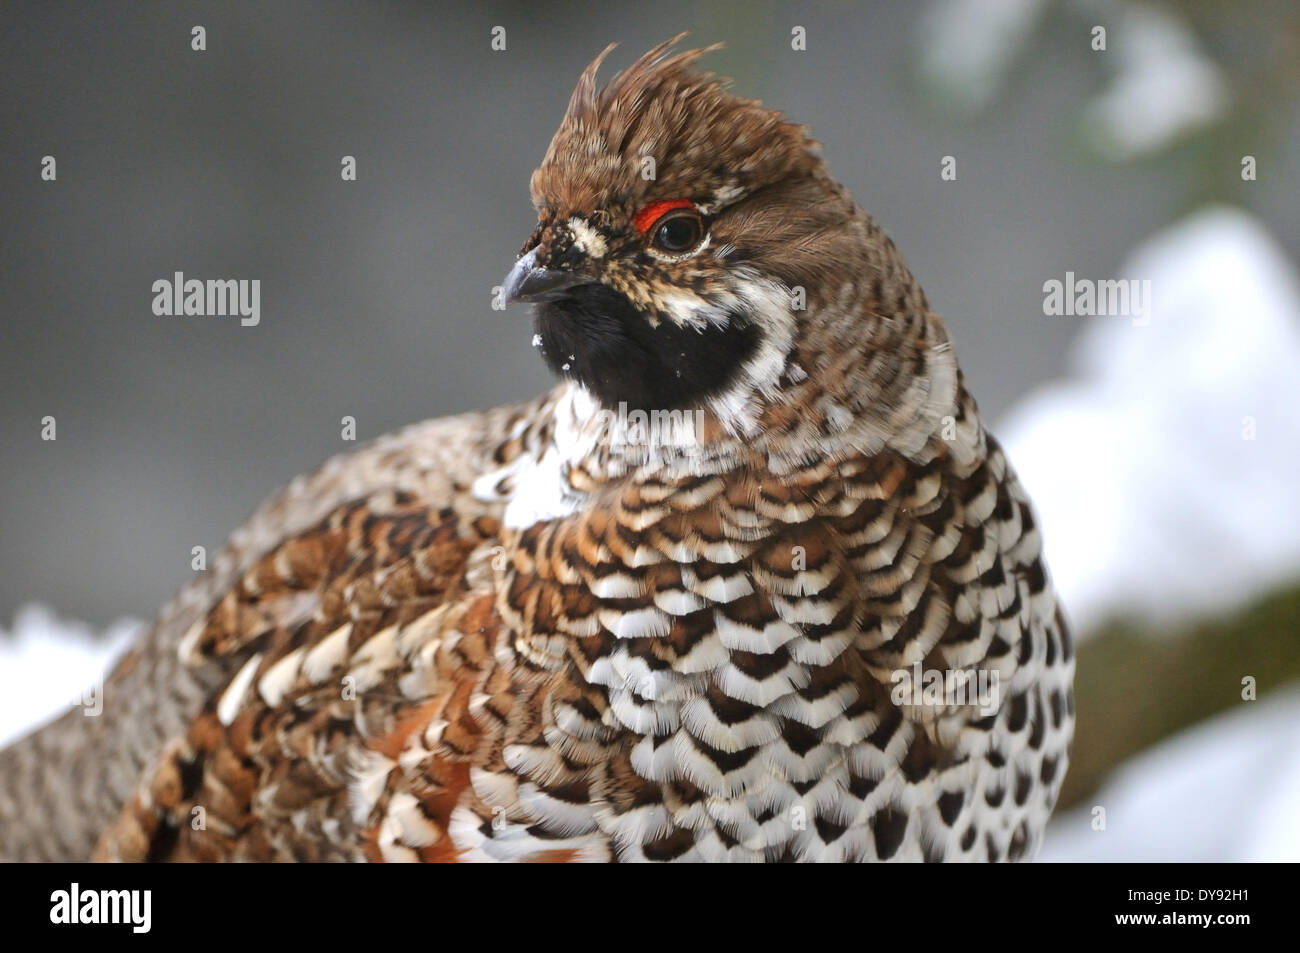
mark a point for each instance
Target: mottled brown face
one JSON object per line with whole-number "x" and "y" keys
{"x": 638, "y": 309}
{"x": 667, "y": 209}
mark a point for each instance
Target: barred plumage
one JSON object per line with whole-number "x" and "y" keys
{"x": 533, "y": 634}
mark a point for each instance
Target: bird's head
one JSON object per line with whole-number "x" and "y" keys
{"x": 685, "y": 237}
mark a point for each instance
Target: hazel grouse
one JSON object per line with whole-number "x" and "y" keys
{"x": 725, "y": 593}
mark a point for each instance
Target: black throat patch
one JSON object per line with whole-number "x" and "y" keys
{"x": 594, "y": 335}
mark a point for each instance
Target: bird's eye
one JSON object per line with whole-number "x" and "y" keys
{"x": 673, "y": 228}
{"x": 678, "y": 232}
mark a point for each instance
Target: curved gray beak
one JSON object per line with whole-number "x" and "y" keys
{"x": 527, "y": 282}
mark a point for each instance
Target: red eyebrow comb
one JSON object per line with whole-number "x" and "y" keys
{"x": 652, "y": 212}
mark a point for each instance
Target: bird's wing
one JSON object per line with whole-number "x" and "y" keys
{"x": 234, "y": 701}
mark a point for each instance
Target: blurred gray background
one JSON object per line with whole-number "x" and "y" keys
{"x": 376, "y": 293}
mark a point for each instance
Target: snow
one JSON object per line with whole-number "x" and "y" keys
{"x": 1225, "y": 790}
{"x": 967, "y": 46}
{"x": 1159, "y": 88}
{"x": 1164, "y": 87}
{"x": 1164, "y": 470}
{"x": 50, "y": 664}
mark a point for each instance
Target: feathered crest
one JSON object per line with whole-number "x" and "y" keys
{"x": 703, "y": 139}
{"x": 632, "y": 85}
